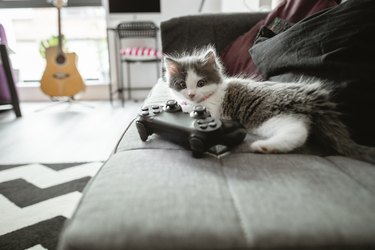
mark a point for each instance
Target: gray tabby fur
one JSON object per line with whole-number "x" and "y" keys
{"x": 282, "y": 114}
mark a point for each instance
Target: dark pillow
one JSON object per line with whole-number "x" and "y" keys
{"x": 236, "y": 57}
{"x": 337, "y": 44}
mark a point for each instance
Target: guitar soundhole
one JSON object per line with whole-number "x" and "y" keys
{"x": 60, "y": 59}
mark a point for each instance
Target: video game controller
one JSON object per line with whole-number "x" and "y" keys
{"x": 198, "y": 130}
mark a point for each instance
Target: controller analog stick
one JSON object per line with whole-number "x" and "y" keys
{"x": 199, "y": 112}
{"x": 172, "y": 106}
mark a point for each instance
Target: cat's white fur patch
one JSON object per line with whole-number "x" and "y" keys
{"x": 213, "y": 103}
{"x": 191, "y": 85}
{"x": 282, "y": 133}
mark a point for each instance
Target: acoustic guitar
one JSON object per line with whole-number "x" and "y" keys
{"x": 61, "y": 77}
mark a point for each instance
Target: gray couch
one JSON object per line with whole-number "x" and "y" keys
{"x": 154, "y": 195}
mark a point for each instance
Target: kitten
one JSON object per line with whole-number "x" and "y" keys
{"x": 283, "y": 115}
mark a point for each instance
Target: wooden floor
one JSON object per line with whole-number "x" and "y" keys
{"x": 62, "y": 133}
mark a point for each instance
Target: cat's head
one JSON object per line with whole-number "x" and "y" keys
{"x": 194, "y": 76}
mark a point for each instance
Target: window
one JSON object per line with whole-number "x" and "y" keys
{"x": 84, "y": 29}
{"x": 45, "y": 3}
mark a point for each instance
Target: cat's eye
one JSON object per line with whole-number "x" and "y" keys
{"x": 182, "y": 84}
{"x": 201, "y": 83}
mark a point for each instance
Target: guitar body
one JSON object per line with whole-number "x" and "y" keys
{"x": 61, "y": 77}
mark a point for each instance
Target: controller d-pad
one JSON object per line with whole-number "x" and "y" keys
{"x": 207, "y": 124}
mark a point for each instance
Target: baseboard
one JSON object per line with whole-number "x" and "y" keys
{"x": 93, "y": 92}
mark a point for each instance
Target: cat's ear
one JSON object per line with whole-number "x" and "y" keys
{"x": 172, "y": 67}
{"x": 210, "y": 58}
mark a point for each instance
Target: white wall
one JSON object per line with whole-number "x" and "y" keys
{"x": 248, "y": 5}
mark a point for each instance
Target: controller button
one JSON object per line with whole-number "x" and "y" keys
{"x": 212, "y": 124}
{"x": 210, "y": 119}
{"x": 200, "y": 121}
{"x": 157, "y": 111}
{"x": 203, "y": 126}
{"x": 144, "y": 109}
{"x": 145, "y": 113}
{"x": 155, "y": 107}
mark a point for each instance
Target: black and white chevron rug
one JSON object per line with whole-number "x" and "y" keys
{"x": 36, "y": 199}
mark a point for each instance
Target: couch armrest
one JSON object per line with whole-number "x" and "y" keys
{"x": 189, "y": 32}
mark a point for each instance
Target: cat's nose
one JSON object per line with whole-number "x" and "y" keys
{"x": 191, "y": 95}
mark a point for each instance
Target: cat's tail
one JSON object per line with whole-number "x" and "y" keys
{"x": 336, "y": 133}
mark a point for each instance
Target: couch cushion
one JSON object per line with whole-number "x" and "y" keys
{"x": 294, "y": 200}
{"x": 155, "y": 199}
{"x": 163, "y": 199}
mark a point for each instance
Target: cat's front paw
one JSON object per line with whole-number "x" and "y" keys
{"x": 264, "y": 147}
{"x": 186, "y": 107}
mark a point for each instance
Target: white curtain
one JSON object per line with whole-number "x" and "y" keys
{"x": 44, "y": 3}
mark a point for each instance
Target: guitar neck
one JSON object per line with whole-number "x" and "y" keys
{"x": 60, "y": 45}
